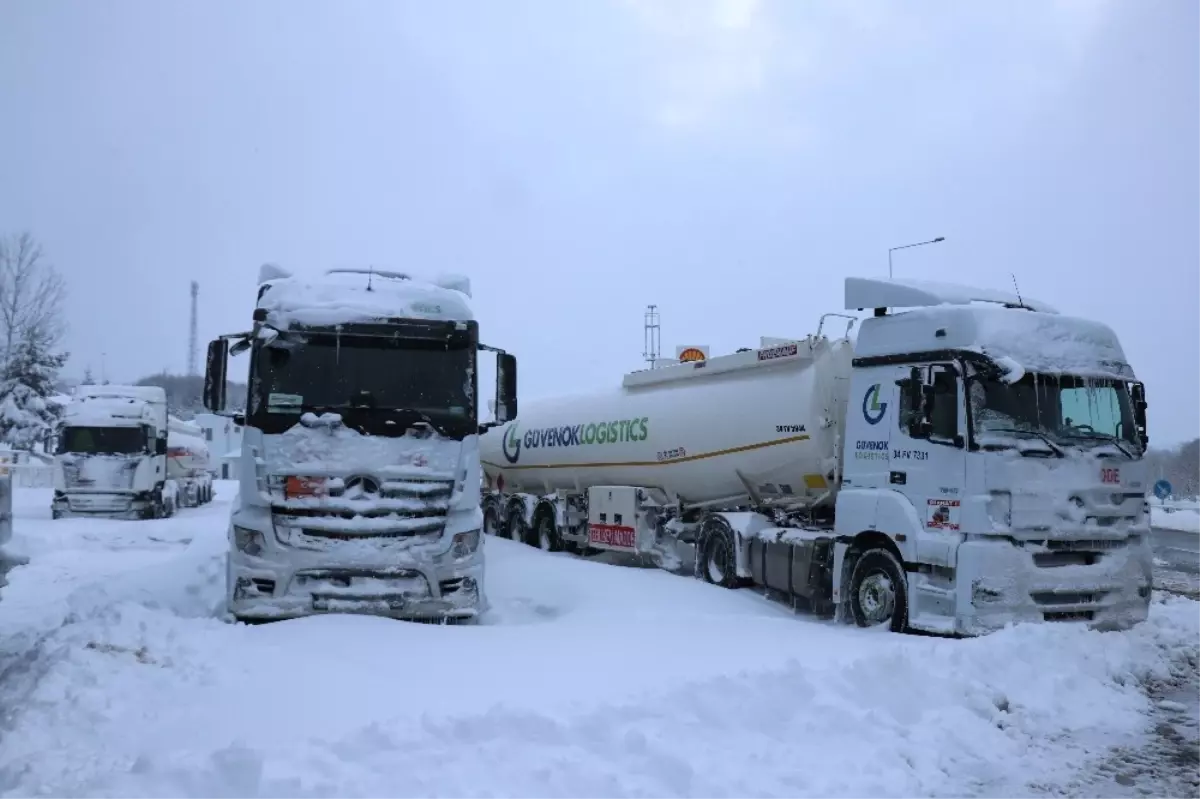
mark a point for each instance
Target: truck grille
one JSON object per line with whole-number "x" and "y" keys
{"x": 386, "y": 509}
{"x": 98, "y": 473}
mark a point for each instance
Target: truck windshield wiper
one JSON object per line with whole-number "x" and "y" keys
{"x": 416, "y": 416}
{"x": 1058, "y": 453}
{"x": 1105, "y": 437}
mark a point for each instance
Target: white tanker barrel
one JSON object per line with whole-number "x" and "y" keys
{"x": 701, "y": 433}
{"x": 187, "y": 455}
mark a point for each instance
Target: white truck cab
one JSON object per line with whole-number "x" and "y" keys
{"x": 998, "y": 445}
{"x": 359, "y": 469}
{"x": 111, "y": 459}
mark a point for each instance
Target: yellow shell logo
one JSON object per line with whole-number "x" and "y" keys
{"x": 691, "y": 354}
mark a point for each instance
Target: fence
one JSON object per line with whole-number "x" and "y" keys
{"x": 30, "y": 475}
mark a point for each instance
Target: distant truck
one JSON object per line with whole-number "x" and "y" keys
{"x": 188, "y": 463}
{"x": 111, "y": 458}
{"x": 974, "y": 459}
{"x": 359, "y": 467}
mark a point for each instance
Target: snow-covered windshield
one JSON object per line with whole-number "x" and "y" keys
{"x": 1063, "y": 408}
{"x": 103, "y": 440}
{"x": 363, "y": 374}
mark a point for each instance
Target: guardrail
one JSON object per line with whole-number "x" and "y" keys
{"x": 1172, "y": 505}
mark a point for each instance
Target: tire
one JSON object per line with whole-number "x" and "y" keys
{"x": 491, "y": 525}
{"x": 516, "y": 526}
{"x": 879, "y": 591}
{"x": 718, "y": 563}
{"x": 547, "y": 536}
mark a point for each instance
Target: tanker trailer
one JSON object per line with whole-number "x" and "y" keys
{"x": 931, "y": 475}
{"x": 188, "y": 463}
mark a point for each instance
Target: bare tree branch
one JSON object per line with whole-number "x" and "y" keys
{"x": 32, "y": 293}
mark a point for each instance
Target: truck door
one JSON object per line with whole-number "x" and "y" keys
{"x": 929, "y": 459}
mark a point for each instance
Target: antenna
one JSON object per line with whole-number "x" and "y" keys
{"x": 652, "y": 336}
{"x": 193, "y": 341}
{"x": 1017, "y": 289}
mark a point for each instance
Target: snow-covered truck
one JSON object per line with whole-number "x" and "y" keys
{"x": 972, "y": 459}
{"x": 359, "y": 471}
{"x": 188, "y": 463}
{"x": 111, "y": 459}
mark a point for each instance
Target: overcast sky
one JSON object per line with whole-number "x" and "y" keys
{"x": 730, "y": 160}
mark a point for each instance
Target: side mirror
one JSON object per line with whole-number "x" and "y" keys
{"x": 506, "y": 387}
{"x": 160, "y": 446}
{"x": 927, "y": 401}
{"x": 1138, "y": 393}
{"x": 214, "y": 375}
{"x": 918, "y": 401}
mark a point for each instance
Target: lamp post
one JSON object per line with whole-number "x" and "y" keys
{"x": 905, "y": 247}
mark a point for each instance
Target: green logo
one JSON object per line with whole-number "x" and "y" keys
{"x": 619, "y": 431}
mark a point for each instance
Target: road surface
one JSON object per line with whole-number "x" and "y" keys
{"x": 1176, "y": 561}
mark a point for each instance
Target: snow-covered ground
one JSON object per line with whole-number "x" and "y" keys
{"x": 117, "y": 679}
{"x": 1183, "y": 517}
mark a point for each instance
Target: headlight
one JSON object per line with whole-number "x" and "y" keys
{"x": 247, "y": 540}
{"x": 464, "y": 545}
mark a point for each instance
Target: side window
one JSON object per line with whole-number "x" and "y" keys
{"x": 938, "y": 398}
{"x": 944, "y": 417}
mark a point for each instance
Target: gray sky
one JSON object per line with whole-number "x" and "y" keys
{"x": 730, "y": 160}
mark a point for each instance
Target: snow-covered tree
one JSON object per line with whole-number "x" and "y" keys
{"x": 26, "y": 418}
{"x": 32, "y": 294}
{"x": 88, "y": 380}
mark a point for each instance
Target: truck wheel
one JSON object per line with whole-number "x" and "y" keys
{"x": 547, "y": 534}
{"x": 718, "y": 565}
{"x": 516, "y": 526}
{"x": 878, "y": 591}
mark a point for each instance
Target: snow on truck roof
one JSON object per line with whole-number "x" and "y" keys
{"x": 143, "y": 393}
{"x": 1037, "y": 342}
{"x": 868, "y": 292}
{"x": 1026, "y": 334}
{"x": 359, "y": 295}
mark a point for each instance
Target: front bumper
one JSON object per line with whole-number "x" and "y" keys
{"x": 418, "y": 582}
{"x": 101, "y": 505}
{"x": 1103, "y": 584}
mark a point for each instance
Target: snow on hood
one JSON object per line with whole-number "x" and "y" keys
{"x": 343, "y": 298}
{"x": 338, "y": 451}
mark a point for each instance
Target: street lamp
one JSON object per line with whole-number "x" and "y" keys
{"x": 905, "y": 247}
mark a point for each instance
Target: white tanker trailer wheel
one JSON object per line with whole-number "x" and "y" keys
{"x": 516, "y": 525}
{"x": 489, "y": 522}
{"x": 547, "y": 535}
{"x": 879, "y": 592}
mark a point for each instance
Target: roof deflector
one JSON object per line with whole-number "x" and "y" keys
{"x": 866, "y": 292}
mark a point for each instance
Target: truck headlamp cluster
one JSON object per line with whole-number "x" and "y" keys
{"x": 248, "y": 541}
{"x": 464, "y": 545}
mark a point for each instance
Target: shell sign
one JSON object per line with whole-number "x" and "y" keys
{"x": 691, "y": 354}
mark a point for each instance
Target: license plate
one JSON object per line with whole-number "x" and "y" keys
{"x": 359, "y": 604}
